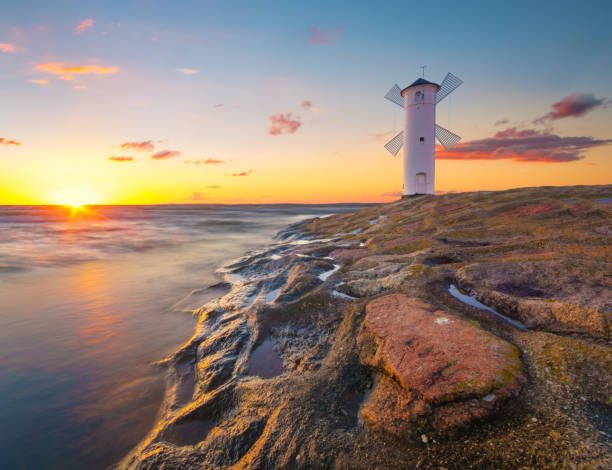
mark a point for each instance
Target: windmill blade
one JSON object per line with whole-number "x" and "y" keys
{"x": 395, "y": 144}
{"x": 446, "y": 137}
{"x": 448, "y": 85}
{"x": 395, "y": 95}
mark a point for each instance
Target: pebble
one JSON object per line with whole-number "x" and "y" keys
{"x": 424, "y": 438}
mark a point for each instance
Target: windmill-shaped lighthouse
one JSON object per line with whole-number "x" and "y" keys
{"x": 419, "y": 101}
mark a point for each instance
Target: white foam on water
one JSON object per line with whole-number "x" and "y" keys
{"x": 234, "y": 278}
{"x": 308, "y": 242}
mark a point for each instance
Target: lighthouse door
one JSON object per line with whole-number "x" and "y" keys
{"x": 421, "y": 186}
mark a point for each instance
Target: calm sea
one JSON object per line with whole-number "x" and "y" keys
{"x": 89, "y": 299}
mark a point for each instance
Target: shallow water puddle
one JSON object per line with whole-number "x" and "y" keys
{"x": 342, "y": 295}
{"x": 326, "y": 274}
{"x": 472, "y": 302}
{"x": 265, "y": 361}
{"x": 189, "y": 433}
{"x": 272, "y": 295}
{"x": 185, "y": 389}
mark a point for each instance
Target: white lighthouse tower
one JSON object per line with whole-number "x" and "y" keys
{"x": 420, "y": 131}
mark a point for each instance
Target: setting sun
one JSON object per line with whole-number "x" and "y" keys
{"x": 75, "y": 196}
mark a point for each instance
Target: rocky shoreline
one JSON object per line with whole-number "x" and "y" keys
{"x": 466, "y": 330}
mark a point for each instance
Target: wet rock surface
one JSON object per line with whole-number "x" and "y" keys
{"x": 341, "y": 346}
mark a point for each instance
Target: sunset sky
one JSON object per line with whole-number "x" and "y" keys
{"x": 144, "y": 102}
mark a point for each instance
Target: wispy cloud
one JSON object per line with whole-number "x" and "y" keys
{"x": 218, "y": 105}
{"x": 162, "y": 154}
{"x": 145, "y": 146}
{"x": 214, "y": 187}
{"x": 208, "y": 161}
{"x": 319, "y": 37}
{"x": 243, "y": 173}
{"x": 83, "y": 25}
{"x": 527, "y": 145}
{"x": 187, "y": 71}
{"x": 4, "y": 141}
{"x": 283, "y": 124}
{"x": 575, "y": 105}
{"x": 39, "y": 81}
{"x": 117, "y": 158}
{"x": 392, "y": 194}
{"x": 5, "y": 47}
{"x": 307, "y": 104}
{"x": 68, "y": 70}
{"x": 501, "y": 123}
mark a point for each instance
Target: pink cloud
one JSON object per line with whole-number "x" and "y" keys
{"x": 243, "y": 173}
{"x": 145, "y": 146}
{"x": 527, "y": 145}
{"x": 500, "y": 123}
{"x": 307, "y": 104}
{"x": 4, "y": 141}
{"x": 5, "y": 47}
{"x": 162, "y": 154}
{"x": 575, "y": 105}
{"x": 208, "y": 161}
{"x": 116, "y": 158}
{"x": 319, "y": 37}
{"x": 219, "y": 105}
{"x": 83, "y": 25}
{"x": 283, "y": 124}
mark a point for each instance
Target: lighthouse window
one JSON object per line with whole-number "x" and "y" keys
{"x": 422, "y": 140}
{"x": 418, "y": 97}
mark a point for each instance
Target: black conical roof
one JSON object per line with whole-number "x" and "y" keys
{"x": 421, "y": 81}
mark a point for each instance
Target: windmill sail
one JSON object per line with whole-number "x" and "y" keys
{"x": 446, "y": 137}
{"x": 395, "y": 144}
{"x": 395, "y": 96}
{"x": 448, "y": 85}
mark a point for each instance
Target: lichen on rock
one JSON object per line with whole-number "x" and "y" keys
{"x": 379, "y": 366}
{"x": 436, "y": 359}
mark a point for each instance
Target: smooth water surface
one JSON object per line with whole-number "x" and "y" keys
{"x": 90, "y": 298}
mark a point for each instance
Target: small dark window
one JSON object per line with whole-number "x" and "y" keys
{"x": 422, "y": 140}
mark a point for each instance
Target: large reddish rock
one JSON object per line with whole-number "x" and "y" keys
{"x": 432, "y": 363}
